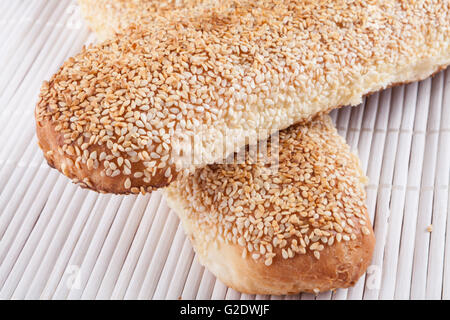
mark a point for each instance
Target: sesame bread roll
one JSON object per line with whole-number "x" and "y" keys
{"x": 188, "y": 88}
{"x": 298, "y": 226}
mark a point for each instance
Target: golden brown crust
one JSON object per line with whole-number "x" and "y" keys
{"x": 302, "y": 227}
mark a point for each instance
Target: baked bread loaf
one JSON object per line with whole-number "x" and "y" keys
{"x": 283, "y": 222}
{"x": 298, "y": 226}
{"x": 140, "y": 110}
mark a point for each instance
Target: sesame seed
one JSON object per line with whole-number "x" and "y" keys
{"x": 127, "y": 183}
{"x": 365, "y": 230}
{"x": 138, "y": 175}
{"x": 317, "y": 255}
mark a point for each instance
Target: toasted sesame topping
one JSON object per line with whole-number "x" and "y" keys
{"x": 313, "y": 197}
{"x": 106, "y": 17}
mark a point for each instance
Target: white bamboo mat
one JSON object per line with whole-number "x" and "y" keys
{"x": 58, "y": 241}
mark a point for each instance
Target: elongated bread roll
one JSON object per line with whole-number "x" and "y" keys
{"x": 288, "y": 194}
{"x": 298, "y": 226}
{"x": 138, "y": 111}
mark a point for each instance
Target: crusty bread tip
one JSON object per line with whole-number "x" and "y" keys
{"x": 302, "y": 226}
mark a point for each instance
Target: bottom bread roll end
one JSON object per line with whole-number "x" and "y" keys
{"x": 339, "y": 265}
{"x": 299, "y": 226}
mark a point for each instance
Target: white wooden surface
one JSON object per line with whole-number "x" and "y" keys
{"x": 59, "y": 241}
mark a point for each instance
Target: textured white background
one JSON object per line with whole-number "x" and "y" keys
{"x": 59, "y": 241}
